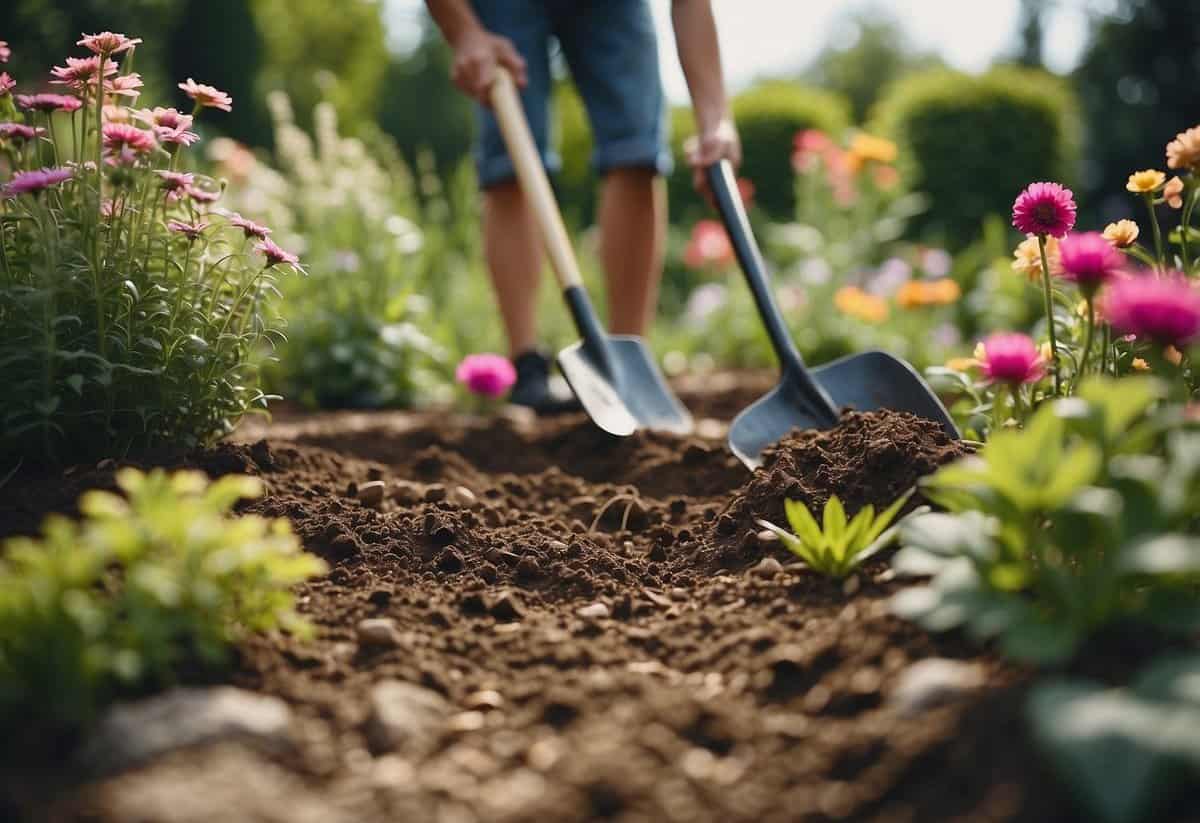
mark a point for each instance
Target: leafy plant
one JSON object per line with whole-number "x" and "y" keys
{"x": 838, "y": 545}
{"x": 131, "y": 312}
{"x": 1085, "y": 518}
{"x": 147, "y": 583}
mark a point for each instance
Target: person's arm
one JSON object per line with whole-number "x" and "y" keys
{"x": 700, "y": 56}
{"x": 477, "y": 51}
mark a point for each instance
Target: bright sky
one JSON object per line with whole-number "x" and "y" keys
{"x": 763, "y": 37}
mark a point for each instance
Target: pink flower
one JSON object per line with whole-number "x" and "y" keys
{"x": 5, "y": 51}
{"x": 80, "y": 72}
{"x": 1163, "y": 309}
{"x": 167, "y": 118}
{"x": 108, "y": 209}
{"x": 7, "y": 84}
{"x": 207, "y": 96}
{"x": 126, "y": 85}
{"x": 202, "y": 195}
{"x": 248, "y": 227}
{"x": 1013, "y": 358}
{"x": 1044, "y": 209}
{"x": 119, "y": 136}
{"x": 1089, "y": 260}
{"x": 487, "y": 374}
{"x": 274, "y": 254}
{"x": 19, "y": 131}
{"x": 31, "y": 182}
{"x": 106, "y": 42}
{"x": 191, "y": 230}
{"x": 708, "y": 246}
{"x": 49, "y": 102}
{"x": 176, "y": 180}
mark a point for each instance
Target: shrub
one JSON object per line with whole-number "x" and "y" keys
{"x": 146, "y": 583}
{"x": 972, "y": 143}
{"x": 130, "y": 309}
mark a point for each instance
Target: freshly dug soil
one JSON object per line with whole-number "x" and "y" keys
{"x": 592, "y": 611}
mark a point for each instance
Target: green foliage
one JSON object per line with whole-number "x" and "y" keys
{"x": 972, "y": 143}
{"x": 118, "y": 333}
{"x": 147, "y": 583}
{"x": 838, "y": 545}
{"x": 1084, "y": 518}
{"x": 1127, "y": 753}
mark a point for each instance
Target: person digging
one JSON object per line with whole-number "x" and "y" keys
{"x": 611, "y": 49}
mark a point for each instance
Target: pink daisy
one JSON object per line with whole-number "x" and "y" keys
{"x": 175, "y": 137}
{"x": 202, "y": 195}
{"x": 169, "y": 118}
{"x": 31, "y": 182}
{"x": 80, "y": 72}
{"x": 7, "y": 84}
{"x": 107, "y": 42}
{"x": 5, "y": 51}
{"x": 119, "y": 136}
{"x": 1163, "y": 309}
{"x": 1013, "y": 358}
{"x": 1089, "y": 260}
{"x": 126, "y": 85}
{"x": 1044, "y": 209}
{"x": 207, "y": 96}
{"x": 274, "y": 254}
{"x": 191, "y": 230}
{"x": 487, "y": 374}
{"x": 19, "y": 131}
{"x": 49, "y": 102}
{"x": 248, "y": 227}
{"x": 174, "y": 181}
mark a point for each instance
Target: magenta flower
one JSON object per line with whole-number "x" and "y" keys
{"x": 80, "y": 72}
{"x": 276, "y": 255}
{"x": 120, "y": 136}
{"x": 107, "y": 42}
{"x": 1013, "y": 358}
{"x": 1089, "y": 260}
{"x": 487, "y": 374}
{"x": 1044, "y": 209}
{"x": 7, "y": 84}
{"x": 49, "y": 102}
{"x": 174, "y": 181}
{"x": 207, "y": 96}
{"x": 248, "y": 227}
{"x": 191, "y": 230}
{"x": 32, "y": 182}
{"x": 1163, "y": 309}
{"x": 19, "y": 131}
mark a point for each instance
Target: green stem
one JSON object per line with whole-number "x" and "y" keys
{"x": 1087, "y": 338}
{"x": 1189, "y": 205}
{"x": 1106, "y": 347}
{"x": 1049, "y": 313}
{"x": 1158, "y": 240}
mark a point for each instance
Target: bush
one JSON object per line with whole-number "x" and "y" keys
{"x": 130, "y": 309}
{"x": 149, "y": 582}
{"x": 972, "y": 143}
{"x": 768, "y": 116}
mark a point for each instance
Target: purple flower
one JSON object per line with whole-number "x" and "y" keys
{"x": 49, "y": 102}
{"x": 1164, "y": 309}
{"x": 1088, "y": 260}
{"x": 174, "y": 181}
{"x": 19, "y": 131}
{"x": 31, "y": 182}
{"x": 248, "y": 227}
{"x": 1013, "y": 358}
{"x": 1044, "y": 209}
{"x": 488, "y": 374}
{"x": 276, "y": 255}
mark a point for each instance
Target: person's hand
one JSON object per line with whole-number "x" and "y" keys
{"x": 476, "y": 55}
{"x": 718, "y": 142}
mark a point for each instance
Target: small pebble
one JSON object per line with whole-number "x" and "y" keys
{"x": 852, "y": 585}
{"x": 594, "y": 611}
{"x": 407, "y": 493}
{"x": 462, "y": 496}
{"x": 467, "y": 721}
{"x": 484, "y": 699}
{"x": 767, "y": 567}
{"x": 371, "y": 492}
{"x": 378, "y": 631}
{"x": 767, "y": 536}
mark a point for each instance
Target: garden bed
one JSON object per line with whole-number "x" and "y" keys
{"x": 603, "y": 632}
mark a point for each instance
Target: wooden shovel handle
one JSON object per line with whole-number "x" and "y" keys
{"x": 532, "y": 177}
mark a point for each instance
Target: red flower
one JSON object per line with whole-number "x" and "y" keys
{"x": 709, "y": 246}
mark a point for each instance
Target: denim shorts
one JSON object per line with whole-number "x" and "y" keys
{"x": 611, "y": 49}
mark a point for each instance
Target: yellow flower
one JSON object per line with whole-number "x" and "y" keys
{"x": 870, "y": 148}
{"x": 1173, "y": 193}
{"x": 1028, "y": 260}
{"x": 1046, "y": 352}
{"x": 962, "y": 363}
{"x": 1139, "y": 364}
{"x": 980, "y": 352}
{"x": 1123, "y": 233}
{"x": 1144, "y": 182}
{"x": 917, "y": 293}
{"x": 1184, "y": 151}
{"x": 853, "y": 301}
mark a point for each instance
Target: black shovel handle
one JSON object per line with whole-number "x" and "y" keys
{"x": 733, "y": 215}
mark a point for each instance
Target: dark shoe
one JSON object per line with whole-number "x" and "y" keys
{"x": 537, "y": 389}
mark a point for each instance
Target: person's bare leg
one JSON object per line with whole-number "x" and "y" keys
{"x": 633, "y": 226}
{"x": 514, "y": 258}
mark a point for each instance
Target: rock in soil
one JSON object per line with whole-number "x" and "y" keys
{"x": 934, "y": 682}
{"x": 404, "y": 718}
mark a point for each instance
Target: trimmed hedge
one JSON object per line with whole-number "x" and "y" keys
{"x": 972, "y": 143}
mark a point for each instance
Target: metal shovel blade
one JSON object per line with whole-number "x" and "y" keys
{"x": 861, "y": 382}
{"x": 622, "y": 389}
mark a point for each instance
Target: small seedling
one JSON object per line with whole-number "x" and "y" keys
{"x": 839, "y": 545}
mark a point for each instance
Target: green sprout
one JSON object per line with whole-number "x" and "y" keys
{"x": 839, "y": 545}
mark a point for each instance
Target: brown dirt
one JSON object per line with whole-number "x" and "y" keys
{"x": 710, "y": 693}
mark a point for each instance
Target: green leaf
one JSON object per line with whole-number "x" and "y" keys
{"x": 75, "y": 381}
{"x": 802, "y": 522}
{"x": 1163, "y": 554}
{"x": 835, "y": 520}
{"x": 951, "y": 535}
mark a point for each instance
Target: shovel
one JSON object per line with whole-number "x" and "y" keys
{"x": 614, "y": 376}
{"x": 809, "y": 399}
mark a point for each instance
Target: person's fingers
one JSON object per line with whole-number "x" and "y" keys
{"x": 511, "y": 59}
